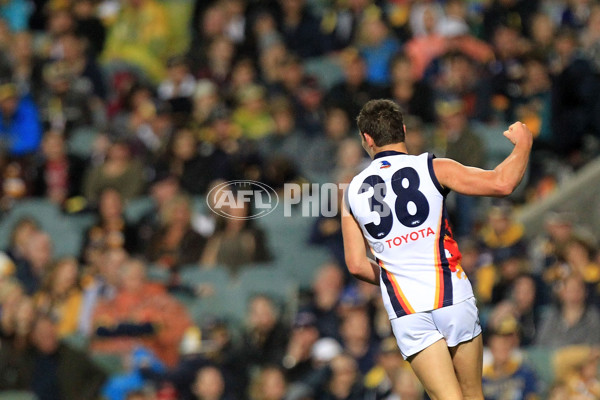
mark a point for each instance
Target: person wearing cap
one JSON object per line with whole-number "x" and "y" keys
{"x": 389, "y": 362}
{"x": 396, "y": 207}
{"x": 20, "y": 127}
{"x": 505, "y": 375}
{"x": 455, "y": 140}
{"x": 298, "y": 359}
{"x": 502, "y": 236}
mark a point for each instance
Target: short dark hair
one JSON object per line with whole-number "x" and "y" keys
{"x": 383, "y": 121}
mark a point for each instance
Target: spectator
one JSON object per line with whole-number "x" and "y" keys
{"x": 345, "y": 382}
{"x": 318, "y": 161}
{"x": 110, "y": 230}
{"x": 571, "y": 321}
{"x": 14, "y": 360}
{"x": 163, "y": 188}
{"x": 502, "y": 235}
{"x": 505, "y": 375}
{"x": 19, "y": 238}
{"x": 298, "y": 361}
{"x": 383, "y": 377}
{"x": 209, "y": 385}
{"x": 577, "y": 368}
{"x": 205, "y": 100}
{"x": 358, "y": 339}
{"x": 269, "y": 384}
{"x": 422, "y": 49}
{"x": 218, "y": 62}
{"x": 102, "y": 286}
{"x": 63, "y": 105}
{"x": 378, "y": 46}
{"x": 327, "y": 288}
{"x": 59, "y": 372}
{"x": 11, "y": 297}
{"x": 523, "y": 305}
{"x": 140, "y": 38}
{"x": 61, "y": 297}
{"x": 236, "y": 241}
{"x": 301, "y": 30}
{"x": 458, "y": 142}
{"x": 26, "y": 65}
{"x": 20, "y": 129}
{"x": 265, "y": 338}
{"x": 508, "y": 268}
{"x": 58, "y": 175}
{"x": 88, "y": 76}
{"x": 286, "y": 139}
{"x": 37, "y": 258}
{"x": 176, "y": 243}
{"x": 406, "y": 386}
{"x": 355, "y": 90}
{"x": 89, "y": 27}
{"x": 119, "y": 171}
{"x": 414, "y": 96}
{"x": 572, "y": 105}
{"x": 140, "y": 314}
{"x": 191, "y": 168}
{"x": 179, "y": 86}
{"x": 252, "y": 116}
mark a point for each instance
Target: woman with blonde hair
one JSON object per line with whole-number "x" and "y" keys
{"x": 61, "y": 295}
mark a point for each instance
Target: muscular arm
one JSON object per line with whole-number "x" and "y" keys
{"x": 501, "y": 181}
{"x": 355, "y": 251}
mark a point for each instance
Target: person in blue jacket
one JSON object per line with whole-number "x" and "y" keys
{"x": 20, "y": 127}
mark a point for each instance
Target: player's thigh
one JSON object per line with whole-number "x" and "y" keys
{"x": 460, "y": 326}
{"x": 467, "y": 358}
{"x": 434, "y": 368}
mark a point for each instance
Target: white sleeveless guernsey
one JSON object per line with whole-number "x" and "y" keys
{"x": 399, "y": 205}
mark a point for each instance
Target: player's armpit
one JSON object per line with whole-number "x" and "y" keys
{"x": 470, "y": 180}
{"x": 357, "y": 262}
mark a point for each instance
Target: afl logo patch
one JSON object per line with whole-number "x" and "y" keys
{"x": 378, "y": 247}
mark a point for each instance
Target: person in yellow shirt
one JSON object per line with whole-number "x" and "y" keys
{"x": 60, "y": 296}
{"x": 140, "y": 37}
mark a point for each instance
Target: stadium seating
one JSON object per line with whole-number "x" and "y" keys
{"x": 17, "y": 395}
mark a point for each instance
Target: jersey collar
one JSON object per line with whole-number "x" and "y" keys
{"x": 388, "y": 153}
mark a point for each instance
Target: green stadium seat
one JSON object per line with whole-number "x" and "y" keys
{"x": 66, "y": 236}
{"x": 17, "y": 395}
{"x": 228, "y": 302}
{"x": 325, "y": 69}
{"x": 136, "y": 208}
{"x": 109, "y": 362}
{"x": 76, "y": 341}
{"x": 275, "y": 283}
{"x": 158, "y": 274}
{"x": 540, "y": 359}
{"x": 81, "y": 141}
{"x": 194, "y": 275}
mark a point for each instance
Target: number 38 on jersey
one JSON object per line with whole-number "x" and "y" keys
{"x": 410, "y": 205}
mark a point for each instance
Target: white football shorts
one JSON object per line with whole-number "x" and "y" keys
{"x": 456, "y": 323}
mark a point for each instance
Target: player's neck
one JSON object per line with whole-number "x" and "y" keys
{"x": 399, "y": 147}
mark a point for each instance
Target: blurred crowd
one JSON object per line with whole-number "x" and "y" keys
{"x": 104, "y": 102}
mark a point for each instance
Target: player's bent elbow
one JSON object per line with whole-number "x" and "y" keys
{"x": 500, "y": 188}
{"x": 354, "y": 266}
{"x": 501, "y": 191}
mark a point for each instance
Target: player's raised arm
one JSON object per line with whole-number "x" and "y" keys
{"x": 501, "y": 181}
{"x": 355, "y": 251}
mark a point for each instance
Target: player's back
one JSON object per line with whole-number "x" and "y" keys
{"x": 399, "y": 205}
